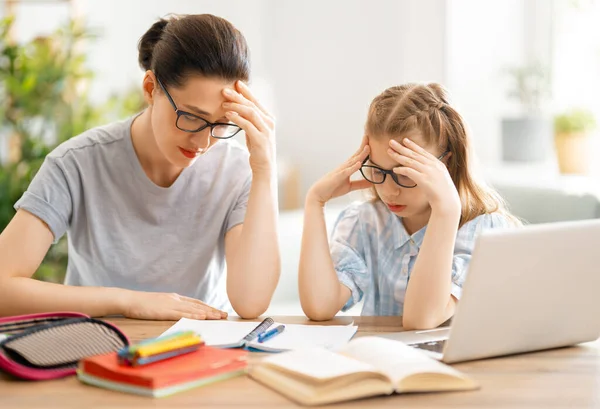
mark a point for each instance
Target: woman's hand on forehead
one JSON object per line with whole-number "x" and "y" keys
{"x": 244, "y": 110}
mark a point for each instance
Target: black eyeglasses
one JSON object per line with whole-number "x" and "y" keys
{"x": 189, "y": 122}
{"x": 377, "y": 175}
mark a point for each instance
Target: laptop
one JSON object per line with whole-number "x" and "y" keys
{"x": 527, "y": 289}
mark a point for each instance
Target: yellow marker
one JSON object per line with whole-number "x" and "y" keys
{"x": 168, "y": 345}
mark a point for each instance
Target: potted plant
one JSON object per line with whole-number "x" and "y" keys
{"x": 573, "y": 138}
{"x": 44, "y": 85}
{"x": 527, "y": 137}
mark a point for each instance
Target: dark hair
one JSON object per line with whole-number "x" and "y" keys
{"x": 204, "y": 44}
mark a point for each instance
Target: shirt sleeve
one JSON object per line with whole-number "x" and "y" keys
{"x": 49, "y": 198}
{"x": 238, "y": 212}
{"x": 465, "y": 242}
{"x": 347, "y": 253}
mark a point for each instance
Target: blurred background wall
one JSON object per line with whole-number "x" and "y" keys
{"x": 525, "y": 74}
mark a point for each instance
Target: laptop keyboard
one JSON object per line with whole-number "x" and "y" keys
{"x": 434, "y": 346}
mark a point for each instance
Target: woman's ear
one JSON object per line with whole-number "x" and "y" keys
{"x": 447, "y": 159}
{"x": 149, "y": 85}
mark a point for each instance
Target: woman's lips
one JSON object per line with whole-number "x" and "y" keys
{"x": 189, "y": 154}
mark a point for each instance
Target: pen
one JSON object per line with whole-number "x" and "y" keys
{"x": 261, "y": 328}
{"x": 270, "y": 334}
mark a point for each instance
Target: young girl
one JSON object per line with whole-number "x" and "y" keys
{"x": 156, "y": 204}
{"x": 406, "y": 252}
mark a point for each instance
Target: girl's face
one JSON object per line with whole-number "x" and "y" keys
{"x": 402, "y": 201}
{"x": 200, "y": 96}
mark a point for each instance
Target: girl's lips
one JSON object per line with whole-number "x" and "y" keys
{"x": 395, "y": 208}
{"x": 188, "y": 154}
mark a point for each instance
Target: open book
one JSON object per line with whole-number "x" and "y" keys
{"x": 366, "y": 366}
{"x": 235, "y": 334}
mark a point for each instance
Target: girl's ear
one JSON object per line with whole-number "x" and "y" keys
{"x": 149, "y": 86}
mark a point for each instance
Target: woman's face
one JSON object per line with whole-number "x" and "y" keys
{"x": 200, "y": 96}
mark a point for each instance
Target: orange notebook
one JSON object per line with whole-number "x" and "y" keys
{"x": 203, "y": 366}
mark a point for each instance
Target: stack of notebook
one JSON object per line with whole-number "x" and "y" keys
{"x": 160, "y": 374}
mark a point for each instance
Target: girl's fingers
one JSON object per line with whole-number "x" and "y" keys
{"x": 409, "y": 172}
{"x": 364, "y": 153}
{"x": 360, "y": 156}
{"x": 349, "y": 169}
{"x": 419, "y": 150}
{"x": 248, "y": 113}
{"x": 408, "y": 152}
{"x": 360, "y": 184}
{"x": 406, "y": 161}
{"x": 363, "y": 143}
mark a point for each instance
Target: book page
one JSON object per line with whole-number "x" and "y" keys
{"x": 394, "y": 358}
{"x": 215, "y": 333}
{"x": 318, "y": 363}
{"x": 296, "y": 336}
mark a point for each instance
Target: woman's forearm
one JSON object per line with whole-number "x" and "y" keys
{"x": 254, "y": 266}
{"x": 23, "y": 295}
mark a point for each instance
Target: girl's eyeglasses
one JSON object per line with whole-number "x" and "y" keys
{"x": 377, "y": 175}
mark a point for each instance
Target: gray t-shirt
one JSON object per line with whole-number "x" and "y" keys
{"x": 125, "y": 231}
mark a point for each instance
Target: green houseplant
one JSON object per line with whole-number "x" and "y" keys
{"x": 573, "y": 136}
{"x": 44, "y": 87}
{"x": 527, "y": 137}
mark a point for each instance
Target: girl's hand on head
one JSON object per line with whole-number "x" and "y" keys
{"x": 428, "y": 172}
{"x": 337, "y": 183}
{"x": 168, "y": 307}
{"x": 259, "y": 125}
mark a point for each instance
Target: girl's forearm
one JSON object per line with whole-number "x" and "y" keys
{"x": 428, "y": 302}
{"x": 321, "y": 293}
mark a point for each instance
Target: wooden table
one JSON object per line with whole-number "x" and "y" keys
{"x": 562, "y": 378}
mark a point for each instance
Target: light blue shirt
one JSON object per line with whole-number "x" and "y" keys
{"x": 374, "y": 255}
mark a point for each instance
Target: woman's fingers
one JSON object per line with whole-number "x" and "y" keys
{"x": 246, "y": 125}
{"x": 248, "y": 113}
{"x": 235, "y": 96}
{"x": 199, "y": 310}
{"x": 247, "y": 93}
{"x": 203, "y": 306}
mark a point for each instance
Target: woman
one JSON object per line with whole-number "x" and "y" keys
{"x": 155, "y": 206}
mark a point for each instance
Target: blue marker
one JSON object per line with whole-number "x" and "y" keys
{"x": 270, "y": 334}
